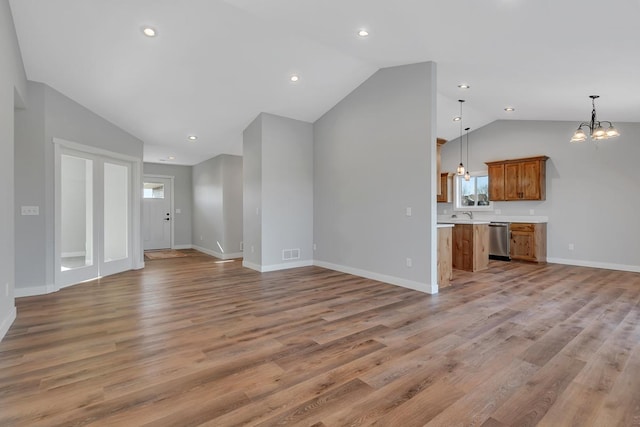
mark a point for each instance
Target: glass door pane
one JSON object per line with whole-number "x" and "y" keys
{"x": 76, "y": 205}
{"x": 116, "y": 212}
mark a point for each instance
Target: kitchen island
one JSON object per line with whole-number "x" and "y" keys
{"x": 470, "y": 244}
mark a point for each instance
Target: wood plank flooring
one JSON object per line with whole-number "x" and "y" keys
{"x": 188, "y": 342}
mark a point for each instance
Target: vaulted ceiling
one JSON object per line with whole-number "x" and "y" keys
{"x": 215, "y": 65}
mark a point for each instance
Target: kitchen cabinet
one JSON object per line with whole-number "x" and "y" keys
{"x": 445, "y": 193}
{"x": 445, "y": 267}
{"x": 528, "y": 242}
{"x": 471, "y": 247}
{"x": 518, "y": 179}
{"x": 439, "y": 143}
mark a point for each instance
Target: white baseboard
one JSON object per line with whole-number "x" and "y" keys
{"x": 218, "y": 254}
{"x": 595, "y": 264}
{"x": 410, "y": 284}
{"x": 30, "y": 291}
{"x": 178, "y": 247}
{"x": 72, "y": 254}
{"x": 277, "y": 267}
{"x": 7, "y": 322}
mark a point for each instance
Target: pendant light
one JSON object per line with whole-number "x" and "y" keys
{"x": 467, "y": 175}
{"x": 460, "y": 171}
{"x": 596, "y": 131}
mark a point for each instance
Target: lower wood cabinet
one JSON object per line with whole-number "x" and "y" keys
{"x": 528, "y": 242}
{"x": 471, "y": 247}
{"x": 445, "y": 268}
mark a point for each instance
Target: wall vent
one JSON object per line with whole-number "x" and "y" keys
{"x": 289, "y": 254}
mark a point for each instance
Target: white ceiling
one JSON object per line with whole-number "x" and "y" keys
{"x": 215, "y": 65}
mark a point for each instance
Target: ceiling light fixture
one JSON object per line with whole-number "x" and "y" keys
{"x": 149, "y": 31}
{"x": 596, "y": 130}
{"x": 460, "y": 171}
{"x": 192, "y": 137}
{"x": 172, "y": 157}
{"x": 363, "y": 33}
{"x": 457, "y": 118}
{"x": 509, "y": 109}
{"x": 464, "y": 86}
{"x": 294, "y": 78}
{"x": 467, "y": 175}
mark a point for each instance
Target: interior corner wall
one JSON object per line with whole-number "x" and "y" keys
{"x": 49, "y": 115}
{"x": 252, "y": 194}
{"x": 182, "y": 199}
{"x": 13, "y": 94}
{"x": 287, "y": 192}
{"x": 217, "y": 206}
{"x": 590, "y": 202}
{"x": 232, "y": 204}
{"x": 374, "y": 157}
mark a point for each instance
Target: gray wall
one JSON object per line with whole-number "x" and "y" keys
{"x": 182, "y": 198}
{"x": 287, "y": 190}
{"x": 278, "y": 192}
{"x": 374, "y": 156}
{"x": 216, "y": 192}
{"x": 232, "y": 203}
{"x": 591, "y": 201}
{"x": 13, "y": 92}
{"x": 34, "y": 173}
{"x": 252, "y": 193}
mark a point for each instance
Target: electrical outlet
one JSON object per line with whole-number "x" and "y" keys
{"x": 314, "y": 247}
{"x": 30, "y": 210}
{"x": 201, "y": 238}
{"x": 498, "y": 211}
{"x": 531, "y": 212}
{"x": 446, "y": 211}
{"x": 253, "y": 249}
{"x": 571, "y": 246}
{"x": 241, "y": 246}
{"x": 409, "y": 262}
{"x": 178, "y": 210}
{"x": 408, "y": 211}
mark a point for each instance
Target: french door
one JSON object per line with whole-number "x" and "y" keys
{"x": 93, "y": 200}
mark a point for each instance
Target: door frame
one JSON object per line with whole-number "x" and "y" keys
{"x": 172, "y": 203}
{"x": 137, "y": 255}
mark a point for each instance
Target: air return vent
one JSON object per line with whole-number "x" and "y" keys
{"x": 289, "y": 254}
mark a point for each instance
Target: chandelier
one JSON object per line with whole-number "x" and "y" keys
{"x": 596, "y": 130}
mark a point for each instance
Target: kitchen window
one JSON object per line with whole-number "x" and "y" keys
{"x": 472, "y": 195}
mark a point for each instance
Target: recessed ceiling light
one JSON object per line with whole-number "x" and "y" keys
{"x": 172, "y": 157}
{"x": 509, "y": 109}
{"x": 457, "y": 118}
{"x": 363, "y": 33}
{"x": 149, "y": 32}
{"x": 294, "y": 78}
{"x": 464, "y": 86}
{"x": 192, "y": 137}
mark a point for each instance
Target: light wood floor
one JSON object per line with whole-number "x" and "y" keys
{"x": 190, "y": 342}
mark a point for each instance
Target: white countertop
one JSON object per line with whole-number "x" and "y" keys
{"x": 441, "y": 225}
{"x": 485, "y": 219}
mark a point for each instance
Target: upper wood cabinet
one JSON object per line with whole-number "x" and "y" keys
{"x": 518, "y": 179}
{"x": 445, "y": 189}
{"x": 439, "y": 143}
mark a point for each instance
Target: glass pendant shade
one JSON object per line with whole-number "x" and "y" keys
{"x": 460, "y": 169}
{"x": 579, "y": 136}
{"x": 612, "y": 132}
{"x": 598, "y": 133}
{"x": 467, "y": 176}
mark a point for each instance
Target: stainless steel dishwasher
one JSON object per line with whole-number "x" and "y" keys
{"x": 499, "y": 241}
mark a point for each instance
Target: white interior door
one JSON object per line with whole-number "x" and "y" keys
{"x": 93, "y": 216}
{"x": 156, "y": 213}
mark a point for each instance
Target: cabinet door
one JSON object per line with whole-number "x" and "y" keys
{"x": 523, "y": 245}
{"x": 463, "y": 247}
{"x": 512, "y": 181}
{"x": 531, "y": 181}
{"x": 443, "y": 190}
{"x": 496, "y": 182}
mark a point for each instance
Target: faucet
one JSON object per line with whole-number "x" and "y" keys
{"x": 468, "y": 213}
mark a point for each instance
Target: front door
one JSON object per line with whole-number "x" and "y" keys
{"x": 156, "y": 213}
